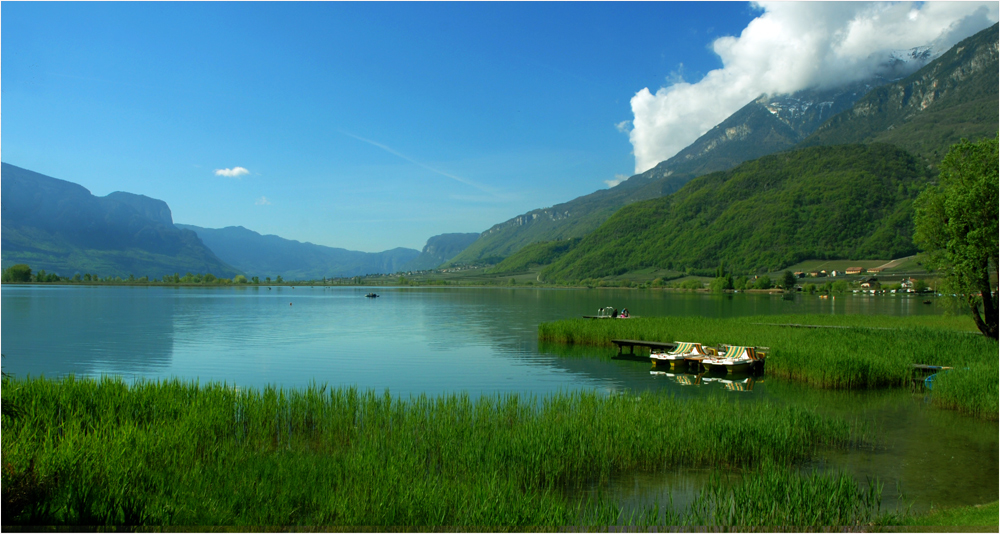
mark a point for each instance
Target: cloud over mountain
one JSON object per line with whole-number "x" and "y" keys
{"x": 793, "y": 46}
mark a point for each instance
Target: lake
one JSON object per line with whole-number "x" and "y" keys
{"x": 476, "y": 340}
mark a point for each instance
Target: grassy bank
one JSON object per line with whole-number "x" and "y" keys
{"x": 977, "y": 518}
{"x": 855, "y": 352}
{"x": 84, "y": 452}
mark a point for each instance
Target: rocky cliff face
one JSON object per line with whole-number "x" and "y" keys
{"x": 152, "y": 208}
{"x": 61, "y": 227}
{"x": 953, "y": 97}
{"x": 439, "y": 249}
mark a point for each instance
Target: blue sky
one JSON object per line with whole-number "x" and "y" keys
{"x": 363, "y": 125}
{"x": 371, "y": 125}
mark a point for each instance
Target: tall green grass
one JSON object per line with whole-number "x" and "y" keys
{"x": 970, "y": 388}
{"x": 86, "y": 452}
{"x": 851, "y": 356}
{"x": 776, "y": 496}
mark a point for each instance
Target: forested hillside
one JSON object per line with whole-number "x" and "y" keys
{"x": 850, "y": 201}
{"x": 534, "y": 255}
{"x": 439, "y": 249}
{"x": 575, "y": 218}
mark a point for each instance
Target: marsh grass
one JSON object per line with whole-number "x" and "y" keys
{"x": 850, "y": 356}
{"x": 776, "y": 496}
{"x": 103, "y": 452}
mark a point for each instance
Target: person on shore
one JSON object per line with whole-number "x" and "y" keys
{"x": 624, "y": 314}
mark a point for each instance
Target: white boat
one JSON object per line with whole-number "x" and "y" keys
{"x": 736, "y": 359}
{"x": 677, "y": 357}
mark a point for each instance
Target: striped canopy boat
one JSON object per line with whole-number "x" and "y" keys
{"x": 679, "y": 355}
{"x": 736, "y": 359}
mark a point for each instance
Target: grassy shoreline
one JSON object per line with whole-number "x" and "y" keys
{"x": 105, "y": 453}
{"x": 861, "y": 352}
{"x": 101, "y": 452}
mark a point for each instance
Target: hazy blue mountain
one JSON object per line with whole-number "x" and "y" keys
{"x": 925, "y": 113}
{"x": 271, "y": 256}
{"x": 61, "y": 227}
{"x": 440, "y": 249}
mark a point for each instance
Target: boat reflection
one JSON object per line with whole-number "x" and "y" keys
{"x": 704, "y": 379}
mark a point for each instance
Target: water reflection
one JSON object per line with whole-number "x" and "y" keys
{"x": 481, "y": 341}
{"x": 59, "y": 330}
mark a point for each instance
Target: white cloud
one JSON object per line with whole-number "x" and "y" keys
{"x": 793, "y": 46}
{"x": 235, "y": 172}
{"x": 262, "y": 201}
{"x": 619, "y": 178}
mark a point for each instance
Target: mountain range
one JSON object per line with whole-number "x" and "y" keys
{"x": 61, "y": 227}
{"x": 670, "y": 216}
{"x": 950, "y": 96}
{"x": 273, "y": 256}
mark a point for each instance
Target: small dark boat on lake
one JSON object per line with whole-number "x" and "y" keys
{"x": 372, "y": 295}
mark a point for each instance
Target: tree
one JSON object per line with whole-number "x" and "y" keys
{"x": 957, "y": 224}
{"x": 764, "y": 282}
{"x": 239, "y": 279}
{"x": 788, "y": 281}
{"x": 17, "y": 273}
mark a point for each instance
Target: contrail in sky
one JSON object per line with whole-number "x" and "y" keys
{"x": 428, "y": 167}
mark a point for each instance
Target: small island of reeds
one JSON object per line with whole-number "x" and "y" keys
{"x": 829, "y": 351}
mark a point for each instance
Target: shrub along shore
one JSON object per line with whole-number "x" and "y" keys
{"x": 848, "y": 352}
{"x": 103, "y": 452}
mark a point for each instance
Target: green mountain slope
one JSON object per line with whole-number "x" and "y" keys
{"x": 767, "y": 125}
{"x": 439, "y": 249}
{"x": 575, "y": 218}
{"x": 534, "y": 255}
{"x": 61, "y": 227}
{"x": 852, "y": 202}
{"x": 270, "y": 255}
{"x": 954, "y": 96}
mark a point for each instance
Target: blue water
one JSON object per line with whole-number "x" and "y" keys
{"x": 410, "y": 340}
{"x": 475, "y": 340}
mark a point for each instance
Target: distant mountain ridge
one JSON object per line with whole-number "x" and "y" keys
{"x": 439, "y": 249}
{"x": 271, "y": 256}
{"x": 61, "y": 227}
{"x": 568, "y": 220}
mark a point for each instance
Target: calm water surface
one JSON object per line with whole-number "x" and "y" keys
{"x": 475, "y": 340}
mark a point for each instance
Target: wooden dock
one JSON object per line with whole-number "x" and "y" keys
{"x": 633, "y": 343}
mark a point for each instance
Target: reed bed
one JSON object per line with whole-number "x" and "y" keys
{"x": 971, "y": 388}
{"x": 850, "y": 356}
{"x": 776, "y": 496}
{"x": 103, "y": 452}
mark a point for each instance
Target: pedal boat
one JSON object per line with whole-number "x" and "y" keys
{"x": 679, "y": 356}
